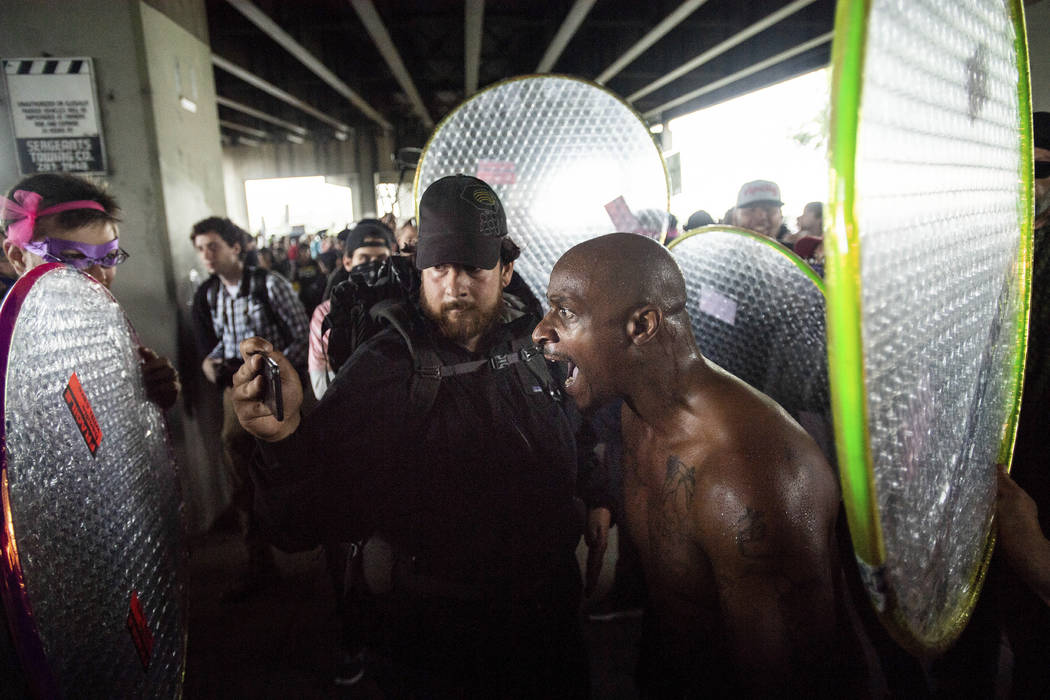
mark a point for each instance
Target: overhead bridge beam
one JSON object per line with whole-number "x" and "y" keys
{"x": 750, "y": 70}
{"x": 473, "y": 21}
{"x": 258, "y": 114}
{"x": 738, "y": 38}
{"x": 655, "y": 34}
{"x": 270, "y": 88}
{"x": 261, "y": 20}
{"x": 568, "y": 29}
{"x": 257, "y": 133}
{"x": 366, "y": 10}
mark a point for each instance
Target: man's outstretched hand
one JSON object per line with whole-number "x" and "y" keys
{"x": 248, "y": 387}
{"x": 159, "y": 378}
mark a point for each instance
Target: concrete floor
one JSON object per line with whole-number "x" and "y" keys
{"x": 283, "y": 642}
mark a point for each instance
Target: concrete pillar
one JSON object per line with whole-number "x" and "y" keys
{"x": 1037, "y": 16}
{"x": 160, "y": 128}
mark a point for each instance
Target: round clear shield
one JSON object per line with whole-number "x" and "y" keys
{"x": 91, "y": 556}
{"x": 927, "y": 292}
{"x": 568, "y": 159}
{"x": 758, "y": 312}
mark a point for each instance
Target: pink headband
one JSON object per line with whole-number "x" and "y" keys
{"x": 24, "y": 212}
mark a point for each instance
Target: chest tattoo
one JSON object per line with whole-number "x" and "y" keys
{"x": 676, "y": 496}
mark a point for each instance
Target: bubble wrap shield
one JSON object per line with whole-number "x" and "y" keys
{"x": 758, "y": 312}
{"x": 91, "y": 556}
{"x": 927, "y": 281}
{"x": 568, "y": 159}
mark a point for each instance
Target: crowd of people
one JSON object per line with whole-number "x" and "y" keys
{"x": 425, "y": 332}
{"x": 759, "y": 209}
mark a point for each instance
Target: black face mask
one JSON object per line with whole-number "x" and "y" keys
{"x": 395, "y": 273}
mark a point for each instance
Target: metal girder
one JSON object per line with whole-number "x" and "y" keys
{"x": 655, "y": 34}
{"x": 258, "y": 114}
{"x": 568, "y": 28}
{"x": 377, "y": 30}
{"x": 750, "y": 70}
{"x": 261, "y": 20}
{"x": 256, "y": 81}
{"x": 474, "y": 19}
{"x": 718, "y": 50}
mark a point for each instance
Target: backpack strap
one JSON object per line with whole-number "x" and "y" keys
{"x": 429, "y": 368}
{"x": 211, "y": 291}
{"x": 423, "y": 389}
{"x": 258, "y": 291}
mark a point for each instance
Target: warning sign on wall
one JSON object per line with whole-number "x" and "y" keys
{"x": 54, "y": 110}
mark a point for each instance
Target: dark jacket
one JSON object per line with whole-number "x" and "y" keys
{"x": 492, "y": 469}
{"x": 476, "y": 499}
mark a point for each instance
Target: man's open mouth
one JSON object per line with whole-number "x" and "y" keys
{"x": 574, "y": 372}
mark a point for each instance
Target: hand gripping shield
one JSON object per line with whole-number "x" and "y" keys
{"x": 758, "y": 312}
{"x": 91, "y": 559}
{"x": 928, "y": 258}
{"x": 569, "y": 160}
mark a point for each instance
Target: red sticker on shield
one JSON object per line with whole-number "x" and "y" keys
{"x": 79, "y": 406}
{"x": 140, "y": 633}
{"x": 497, "y": 172}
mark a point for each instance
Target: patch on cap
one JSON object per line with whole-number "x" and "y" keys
{"x": 480, "y": 196}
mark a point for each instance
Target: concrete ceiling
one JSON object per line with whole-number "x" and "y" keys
{"x": 327, "y": 66}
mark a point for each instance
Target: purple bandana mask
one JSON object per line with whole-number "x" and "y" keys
{"x": 78, "y": 255}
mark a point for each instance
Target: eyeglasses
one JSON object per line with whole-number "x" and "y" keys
{"x": 80, "y": 256}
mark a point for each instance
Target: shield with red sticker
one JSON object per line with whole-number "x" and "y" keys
{"x": 90, "y": 549}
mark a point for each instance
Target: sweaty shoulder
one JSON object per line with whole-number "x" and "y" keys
{"x": 760, "y": 467}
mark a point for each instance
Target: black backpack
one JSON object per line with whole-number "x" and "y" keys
{"x": 385, "y": 293}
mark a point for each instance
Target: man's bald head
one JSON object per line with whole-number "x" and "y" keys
{"x": 626, "y": 271}
{"x": 617, "y": 311}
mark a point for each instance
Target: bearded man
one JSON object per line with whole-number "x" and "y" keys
{"x": 474, "y": 493}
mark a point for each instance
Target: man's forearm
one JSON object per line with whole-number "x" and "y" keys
{"x": 1036, "y": 570}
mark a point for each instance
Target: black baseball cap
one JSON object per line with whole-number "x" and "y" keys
{"x": 360, "y": 236}
{"x": 461, "y": 221}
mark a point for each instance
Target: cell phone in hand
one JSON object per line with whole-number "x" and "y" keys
{"x": 272, "y": 397}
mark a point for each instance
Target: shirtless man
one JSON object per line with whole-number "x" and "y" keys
{"x": 730, "y": 502}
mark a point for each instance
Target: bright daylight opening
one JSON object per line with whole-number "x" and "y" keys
{"x": 287, "y": 205}
{"x": 778, "y": 133}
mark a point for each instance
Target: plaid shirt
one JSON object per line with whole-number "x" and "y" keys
{"x": 238, "y": 318}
